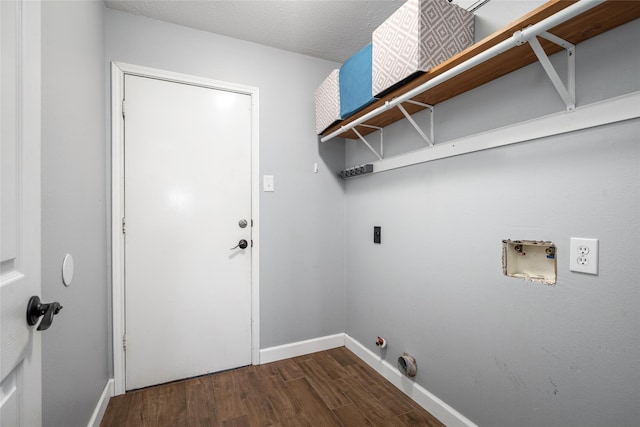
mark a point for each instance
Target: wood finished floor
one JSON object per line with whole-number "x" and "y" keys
{"x": 328, "y": 388}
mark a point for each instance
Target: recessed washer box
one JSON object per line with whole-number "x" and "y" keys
{"x": 533, "y": 260}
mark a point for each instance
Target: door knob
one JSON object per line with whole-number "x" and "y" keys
{"x": 242, "y": 244}
{"x": 35, "y": 309}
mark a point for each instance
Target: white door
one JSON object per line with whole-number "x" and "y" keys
{"x": 20, "y": 369}
{"x": 187, "y": 187}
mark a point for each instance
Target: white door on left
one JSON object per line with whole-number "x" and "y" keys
{"x": 20, "y": 368}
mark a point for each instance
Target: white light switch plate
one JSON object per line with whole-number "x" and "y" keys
{"x": 583, "y": 256}
{"x": 267, "y": 183}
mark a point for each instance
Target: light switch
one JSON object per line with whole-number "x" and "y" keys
{"x": 267, "y": 183}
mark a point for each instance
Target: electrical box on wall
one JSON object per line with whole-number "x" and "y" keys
{"x": 532, "y": 260}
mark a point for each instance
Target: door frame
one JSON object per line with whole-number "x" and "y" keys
{"x": 118, "y": 72}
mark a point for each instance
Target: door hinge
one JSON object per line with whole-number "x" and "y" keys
{"x": 124, "y": 225}
{"x": 123, "y": 108}
{"x": 251, "y": 242}
{"x": 124, "y": 341}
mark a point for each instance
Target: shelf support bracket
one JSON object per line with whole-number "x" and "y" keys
{"x": 381, "y": 137}
{"x": 568, "y": 92}
{"x": 367, "y": 144}
{"x": 428, "y": 140}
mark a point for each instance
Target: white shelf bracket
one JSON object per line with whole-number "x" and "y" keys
{"x": 381, "y": 137}
{"x": 568, "y": 92}
{"x": 431, "y": 109}
{"x": 428, "y": 140}
{"x": 366, "y": 143}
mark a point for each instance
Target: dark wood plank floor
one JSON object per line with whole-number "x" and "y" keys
{"x": 328, "y": 388}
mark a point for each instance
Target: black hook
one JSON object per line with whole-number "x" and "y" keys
{"x": 35, "y": 309}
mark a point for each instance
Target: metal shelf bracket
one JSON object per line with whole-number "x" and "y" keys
{"x": 380, "y": 155}
{"x": 429, "y": 140}
{"x": 568, "y": 92}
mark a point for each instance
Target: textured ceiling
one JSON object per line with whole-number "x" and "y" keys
{"x": 328, "y": 29}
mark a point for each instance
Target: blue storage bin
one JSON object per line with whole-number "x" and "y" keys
{"x": 355, "y": 82}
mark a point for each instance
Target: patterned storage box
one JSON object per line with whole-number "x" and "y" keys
{"x": 328, "y": 102}
{"x": 418, "y": 36}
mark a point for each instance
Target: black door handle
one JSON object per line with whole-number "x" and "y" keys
{"x": 35, "y": 309}
{"x": 242, "y": 244}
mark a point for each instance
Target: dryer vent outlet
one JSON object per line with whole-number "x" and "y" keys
{"x": 407, "y": 365}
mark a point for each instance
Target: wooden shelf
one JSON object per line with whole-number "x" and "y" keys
{"x": 598, "y": 20}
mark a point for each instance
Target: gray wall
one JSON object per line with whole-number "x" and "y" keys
{"x": 302, "y": 223}
{"x": 494, "y": 15}
{"x": 74, "y": 350}
{"x": 504, "y": 351}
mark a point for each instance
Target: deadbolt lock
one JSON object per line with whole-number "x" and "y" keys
{"x": 242, "y": 223}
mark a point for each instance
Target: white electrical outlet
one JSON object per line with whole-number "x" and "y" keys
{"x": 583, "y": 255}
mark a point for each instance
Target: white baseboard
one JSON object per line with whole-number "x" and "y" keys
{"x": 416, "y": 392}
{"x": 101, "y": 407}
{"x": 286, "y": 351}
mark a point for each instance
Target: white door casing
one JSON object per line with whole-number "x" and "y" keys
{"x": 216, "y": 254}
{"x": 20, "y": 365}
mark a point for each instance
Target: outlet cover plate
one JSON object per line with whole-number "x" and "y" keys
{"x": 583, "y": 255}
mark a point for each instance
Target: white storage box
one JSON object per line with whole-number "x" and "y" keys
{"x": 418, "y": 36}
{"x": 328, "y": 102}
